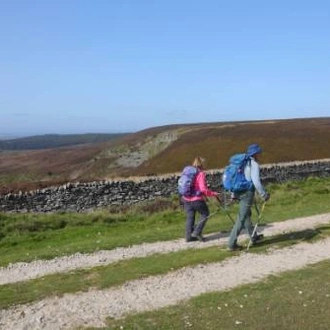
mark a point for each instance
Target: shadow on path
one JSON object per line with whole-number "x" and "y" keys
{"x": 294, "y": 237}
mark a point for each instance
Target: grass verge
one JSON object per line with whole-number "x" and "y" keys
{"x": 115, "y": 274}
{"x": 27, "y": 237}
{"x": 295, "y": 300}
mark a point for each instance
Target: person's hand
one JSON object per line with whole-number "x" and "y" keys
{"x": 267, "y": 196}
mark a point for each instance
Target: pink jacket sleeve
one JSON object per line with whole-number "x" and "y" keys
{"x": 200, "y": 185}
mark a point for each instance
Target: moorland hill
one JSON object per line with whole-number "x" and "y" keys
{"x": 163, "y": 150}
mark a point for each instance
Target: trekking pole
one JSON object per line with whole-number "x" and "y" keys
{"x": 256, "y": 225}
{"x": 215, "y": 212}
{"x": 226, "y": 210}
{"x": 257, "y": 208}
{"x": 229, "y": 216}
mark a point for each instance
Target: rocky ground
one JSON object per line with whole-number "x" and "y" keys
{"x": 91, "y": 308}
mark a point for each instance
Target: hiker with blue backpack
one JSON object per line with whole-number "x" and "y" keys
{"x": 248, "y": 181}
{"x": 193, "y": 190}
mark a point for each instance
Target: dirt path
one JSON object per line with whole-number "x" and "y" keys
{"x": 92, "y": 307}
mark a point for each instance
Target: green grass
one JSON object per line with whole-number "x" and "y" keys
{"x": 295, "y": 300}
{"x": 117, "y": 273}
{"x": 26, "y": 237}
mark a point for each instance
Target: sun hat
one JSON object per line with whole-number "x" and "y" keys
{"x": 253, "y": 149}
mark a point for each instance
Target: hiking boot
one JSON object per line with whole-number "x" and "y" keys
{"x": 236, "y": 247}
{"x": 257, "y": 238}
{"x": 198, "y": 237}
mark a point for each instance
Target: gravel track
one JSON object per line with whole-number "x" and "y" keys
{"x": 92, "y": 307}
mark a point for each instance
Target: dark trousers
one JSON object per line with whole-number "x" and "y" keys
{"x": 191, "y": 208}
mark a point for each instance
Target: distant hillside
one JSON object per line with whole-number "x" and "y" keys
{"x": 165, "y": 149}
{"x": 55, "y": 141}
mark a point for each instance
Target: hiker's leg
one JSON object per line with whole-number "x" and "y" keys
{"x": 244, "y": 209}
{"x": 234, "y": 233}
{"x": 190, "y": 218}
{"x": 202, "y": 208}
{"x": 248, "y": 226}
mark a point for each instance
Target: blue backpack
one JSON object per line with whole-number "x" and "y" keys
{"x": 186, "y": 182}
{"x": 233, "y": 178}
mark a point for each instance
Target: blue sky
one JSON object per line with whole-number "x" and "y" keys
{"x": 108, "y": 66}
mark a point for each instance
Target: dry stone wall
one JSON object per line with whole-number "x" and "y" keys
{"x": 84, "y": 197}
